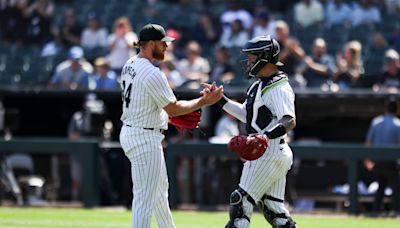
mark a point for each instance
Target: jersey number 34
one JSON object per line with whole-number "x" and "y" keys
{"x": 126, "y": 93}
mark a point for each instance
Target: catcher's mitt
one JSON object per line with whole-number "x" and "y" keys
{"x": 248, "y": 147}
{"x": 188, "y": 121}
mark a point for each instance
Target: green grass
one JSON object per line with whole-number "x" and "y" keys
{"x": 82, "y": 218}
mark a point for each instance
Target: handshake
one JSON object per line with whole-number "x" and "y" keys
{"x": 211, "y": 93}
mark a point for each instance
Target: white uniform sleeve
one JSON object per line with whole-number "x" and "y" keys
{"x": 157, "y": 85}
{"x": 236, "y": 109}
{"x": 281, "y": 101}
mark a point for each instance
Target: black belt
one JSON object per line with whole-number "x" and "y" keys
{"x": 162, "y": 131}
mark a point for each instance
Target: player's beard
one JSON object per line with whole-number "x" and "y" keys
{"x": 158, "y": 54}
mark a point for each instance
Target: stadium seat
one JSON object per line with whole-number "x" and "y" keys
{"x": 362, "y": 33}
{"x": 10, "y": 67}
{"x": 335, "y": 37}
{"x": 92, "y": 54}
{"x": 308, "y": 34}
{"x": 31, "y": 185}
{"x": 374, "y": 62}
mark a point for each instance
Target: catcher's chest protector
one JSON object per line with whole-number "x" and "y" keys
{"x": 259, "y": 116}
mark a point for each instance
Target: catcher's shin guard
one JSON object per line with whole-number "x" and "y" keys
{"x": 241, "y": 207}
{"x": 276, "y": 219}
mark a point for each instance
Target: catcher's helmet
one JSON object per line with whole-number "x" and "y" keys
{"x": 267, "y": 51}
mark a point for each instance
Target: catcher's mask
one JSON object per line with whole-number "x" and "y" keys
{"x": 265, "y": 49}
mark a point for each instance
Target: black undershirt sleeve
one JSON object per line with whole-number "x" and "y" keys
{"x": 278, "y": 131}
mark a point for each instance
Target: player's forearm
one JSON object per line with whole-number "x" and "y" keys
{"x": 234, "y": 108}
{"x": 183, "y": 107}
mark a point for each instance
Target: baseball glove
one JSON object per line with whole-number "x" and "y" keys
{"x": 188, "y": 121}
{"x": 248, "y": 147}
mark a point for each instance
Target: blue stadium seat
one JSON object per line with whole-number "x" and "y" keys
{"x": 92, "y": 54}
{"x": 307, "y": 35}
{"x": 336, "y": 36}
{"x": 374, "y": 62}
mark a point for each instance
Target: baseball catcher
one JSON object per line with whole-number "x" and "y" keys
{"x": 269, "y": 114}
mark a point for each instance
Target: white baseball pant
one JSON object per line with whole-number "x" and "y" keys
{"x": 149, "y": 176}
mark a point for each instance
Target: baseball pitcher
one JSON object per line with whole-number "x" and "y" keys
{"x": 148, "y": 104}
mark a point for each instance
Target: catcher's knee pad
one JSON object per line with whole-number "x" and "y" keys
{"x": 238, "y": 198}
{"x": 277, "y": 220}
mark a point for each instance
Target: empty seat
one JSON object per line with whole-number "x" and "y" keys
{"x": 335, "y": 36}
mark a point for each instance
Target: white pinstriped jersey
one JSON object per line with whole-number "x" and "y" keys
{"x": 268, "y": 100}
{"x": 145, "y": 93}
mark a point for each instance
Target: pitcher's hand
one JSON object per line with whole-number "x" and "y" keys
{"x": 211, "y": 93}
{"x": 207, "y": 87}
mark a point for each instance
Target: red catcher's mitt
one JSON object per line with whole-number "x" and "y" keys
{"x": 188, "y": 121}
{"x": 248, "y": 147}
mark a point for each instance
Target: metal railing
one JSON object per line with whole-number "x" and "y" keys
{"x": 351, "y": 153}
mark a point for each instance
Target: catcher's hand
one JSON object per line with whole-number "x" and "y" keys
{"x": 187, "y": 121}
{"x": 248, "y": 147}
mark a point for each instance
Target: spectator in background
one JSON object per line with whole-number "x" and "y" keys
{"x": 120, "y": 44}
{"x": 206, "y": 32}
{"x": 394, "y": 39}
{"x": 90, "y": 121}
{"x": 385, "y": 131}
{"x": 194, "y": 67}
{"x": 390, "y": 79}
{"x": 235, "y": 12}
{"x": 392, "y": 7}
{"x": 375, "y": 52}
{"x": 72, "y": 73}
{"x": 349, "y": 65}
{"x": 264, "y": 25}
{"x": 3, "y": 7}
{"x": 378, "y": 44}
{"x": 40, "y": 15}
{"x": 222, "y": 70}
{"x": 174, "y": 77}
{"x": 13, "y": 21}
{"x": 291, "y": 54}
{"x": 237, "y": 36}
{"x": 308, "y": 12}
{"x": 319, "y": 67}
{"x": 337, "y": 13}
{"x": 69, "y": 33}
{"x": 105, "y": 79}
{"x": 366, "y": 14}
{"x": 94, "y": 35}
{"x": 175, "y": 51}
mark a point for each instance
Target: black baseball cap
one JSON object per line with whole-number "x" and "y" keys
{"x": 154, "y": 32}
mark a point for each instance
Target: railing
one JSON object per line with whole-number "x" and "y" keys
{"x": 88, "y": 148}
{"x": 352, "y": 153}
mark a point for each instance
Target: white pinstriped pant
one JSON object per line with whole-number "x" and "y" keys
{"x": 267, "y": 175}
{"x": 149, "y": 177}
